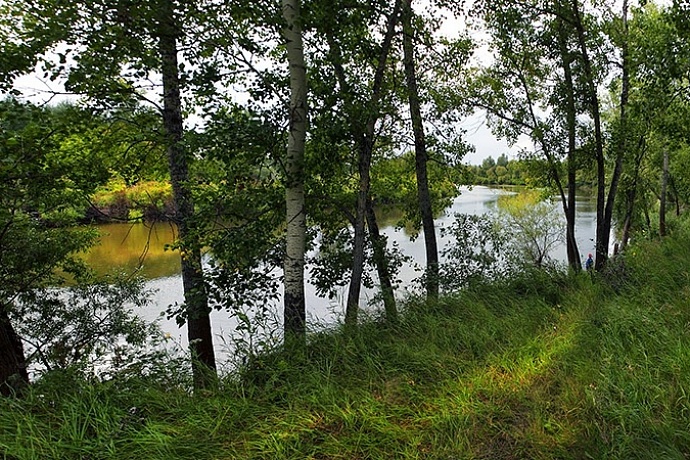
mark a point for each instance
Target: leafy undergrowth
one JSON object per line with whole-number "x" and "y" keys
{"x": 541, "y": 367}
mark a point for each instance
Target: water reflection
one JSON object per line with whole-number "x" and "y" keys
{"x": 126, "y": 247}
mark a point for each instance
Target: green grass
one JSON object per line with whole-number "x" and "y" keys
{"x": 542, "y": 367}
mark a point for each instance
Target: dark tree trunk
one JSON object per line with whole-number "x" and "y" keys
{"x": 378, "y": 242}
{"x": 569, "y": 204}
{"x": 13, "y": 373}
{"x": 353, "y": 293}
{"x": 662, "y": 198}
{"x": 631, "y": 196}
{"x": 381, "y": 261}
{"x": 196, "y": 301}
{"x": 571, "y": 242}
{"x": 627, "y": 220}
{"x": 604, "y": 203}
{"x": 603, "y": 229}
{"x": 623, "y": 136}
{"x": 420, "y": 155}
{"x": 676, "y": 196}
{"x": 365, "y": 147}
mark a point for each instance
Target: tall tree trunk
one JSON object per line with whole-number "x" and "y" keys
{"x": 622, "y": 146}
{"x": 382, "y": 268}
{"x": 567, "y": 199}
{"x": 13, "y": 373}
{"x": 647, "y": 219}
{"x": 676, "y": 196}
{"x": 196, "y": 301}
{"x": 602, "y": 230}
{"x": 294, "y": 312}
{"x": 662, "y": 199}
{"x": 628, "y": 217}
{"x": 365, "y": 148}
{"x": 604, "y": 203}
{"x": 420, "y": 154}
{"x": 631, "y": 195}
{"x": 572, "y": 250}
{"x": 571, "y": 116}
{"x": 378, "y": 242}
{"x": 363, "y": 167}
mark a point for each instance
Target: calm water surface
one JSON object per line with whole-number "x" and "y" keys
{"x": 124, "y": 247}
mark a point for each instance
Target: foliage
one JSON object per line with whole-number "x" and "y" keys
{"x": 658, "y": 108}
{"x": 485, "y": 248}
{"x": 394, "y": 183}
{"x": 52, "y": 158}
{"x": 150, "y": 200}
{"x": 239, "y": 221}
{"x": 330, "y": 266}
{"x": 37, "y": 192}
{"x": 42, "y": 183}
{"x": 89, "y": 326}
{"x": 476, "y": 253}
{"x": 532, "y": 225}
{"x": 506, "y": 171}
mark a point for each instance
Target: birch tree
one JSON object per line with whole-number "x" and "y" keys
{"x": 295, "y": 310}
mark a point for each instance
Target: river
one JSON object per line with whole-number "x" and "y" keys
{"x": 124, "y": 247}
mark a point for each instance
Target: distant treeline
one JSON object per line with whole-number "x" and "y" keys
{"x": 502, "y": 171}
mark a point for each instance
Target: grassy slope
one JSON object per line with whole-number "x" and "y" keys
{"x": 537, "y": 368}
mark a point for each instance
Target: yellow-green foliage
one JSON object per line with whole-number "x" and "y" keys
{"x": 395, "y": 181}
{"x": 110, "y": 192}
{"x": 146, "y": 198}
{"x": 522, "y": 202}
{"x": 149, "y": 193}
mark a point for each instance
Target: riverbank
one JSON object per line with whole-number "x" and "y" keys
{"x": 541, "y": 366}
{"x": 150, "y": 201}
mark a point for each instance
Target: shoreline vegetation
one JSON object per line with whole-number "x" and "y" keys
{"x": 541, "y": 365}
{"x": 151, "y": 200}
{"x": 148, "y": 200}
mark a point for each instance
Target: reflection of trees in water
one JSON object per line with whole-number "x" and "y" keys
{"x": 126, "y": 247}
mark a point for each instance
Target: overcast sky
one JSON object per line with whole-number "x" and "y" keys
{"x": 486, "y": 144}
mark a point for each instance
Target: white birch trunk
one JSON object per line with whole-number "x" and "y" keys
{"x": 294, "y": 303}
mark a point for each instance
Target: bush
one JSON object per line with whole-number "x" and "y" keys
{"x": 151, "y": 200}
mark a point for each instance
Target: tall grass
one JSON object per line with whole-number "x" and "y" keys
{"x": 541, "y": 366}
